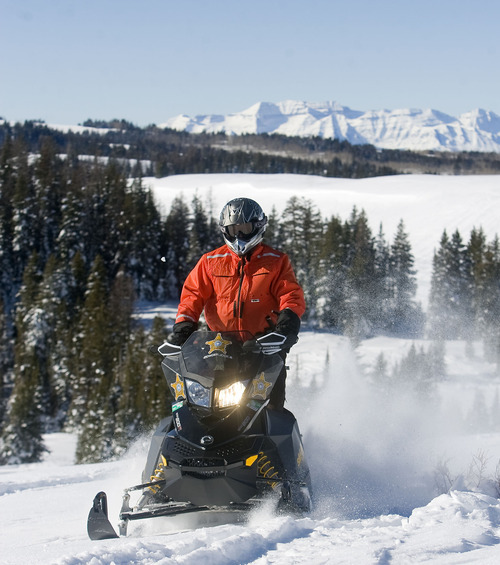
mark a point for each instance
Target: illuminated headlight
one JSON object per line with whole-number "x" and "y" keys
{"x": 197, "y": 393}
{"x": 231, "y": 395}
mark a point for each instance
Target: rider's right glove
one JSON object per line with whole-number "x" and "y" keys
{"x": 180, "y": 332}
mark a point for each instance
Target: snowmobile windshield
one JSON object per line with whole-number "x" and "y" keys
{"x": 217, "y": 355}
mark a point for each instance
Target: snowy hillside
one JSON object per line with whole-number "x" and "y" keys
{"x": 414, "y": 129}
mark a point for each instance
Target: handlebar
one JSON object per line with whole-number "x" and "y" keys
{"x": 268, "y": 344}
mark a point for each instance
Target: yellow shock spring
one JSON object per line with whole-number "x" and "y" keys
{"x": 266, "y": 469}
{"x": 158, "y": 475}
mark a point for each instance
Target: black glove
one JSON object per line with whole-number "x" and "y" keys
{"x": 288, "y": 324}
{"x": 180, "y": 332}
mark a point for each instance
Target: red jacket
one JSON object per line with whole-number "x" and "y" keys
{"x": 238, "y": 293}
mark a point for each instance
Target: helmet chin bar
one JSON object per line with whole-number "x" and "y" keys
{"x": 240, "y": 246}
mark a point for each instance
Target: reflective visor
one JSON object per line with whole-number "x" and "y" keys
{"x": 235, "y": 229}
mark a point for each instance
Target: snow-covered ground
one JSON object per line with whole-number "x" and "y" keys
{"x": 395, "y": 481}
{"x": 376, "y": 475}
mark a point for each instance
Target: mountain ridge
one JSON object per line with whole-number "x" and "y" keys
{"x": 409, "y": 129}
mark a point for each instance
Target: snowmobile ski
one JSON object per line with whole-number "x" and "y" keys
{"x": 98, "y": 525}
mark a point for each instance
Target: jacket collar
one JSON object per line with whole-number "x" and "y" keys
{"x": 252, "y": 253}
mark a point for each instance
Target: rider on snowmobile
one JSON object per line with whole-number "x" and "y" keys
{"x": 243, "y": 285}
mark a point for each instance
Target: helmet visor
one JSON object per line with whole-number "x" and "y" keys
{"x": 244, "y": 229}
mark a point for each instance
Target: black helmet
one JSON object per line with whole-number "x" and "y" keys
{"x": 243, "y": 224}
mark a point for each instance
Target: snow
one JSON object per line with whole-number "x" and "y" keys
{"x": 378, "y": 467}
{"x": 77, "y": 128}
{"x": 414, "y": 129}
{"x": 372, "y": 474}
{"x": 428, "y": 204}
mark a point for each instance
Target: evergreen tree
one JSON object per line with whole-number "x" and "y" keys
{"x": 419, "y": 371}
{"x": 361, "y": 283}
{"x": 128, "y": 422}
{"x": 383, "y": 307}
{"x": 77, "y": 285}
{"x": 333, "y": 273}
{"x": 199, "y": 233}
{"x": 381, "y": 378}
{"x": 438, "y": 297}
{"x": 48, "y": 187}
{"x": 121, "y": 307}
{"x": 71, "y": 236}
{"x": 301, "y": 229}
{"x": 21, "y": 439}
{"x": 25, "y": 235}
{"x": 158, "y": 395}
{"x": 434, "y": 363}
{"x": 106, "y": 325}
{"x": 404, "y": 314}
{"x": 451, "y": 297}
{"x": 50, "y": 311}
{"x": 65, "y": 356}
{"x": 92, "y": 406}
{"x": 476, "y": 251}
{"x": 312, "y": 233}
{"x": 177, "y": 239}
{"x": 5, "y": 364}
{"x": 58, "y": 302}
{"x": 8, "y": 281}
{"x": 490, "y": 303}
{"x": 138, "y": 249}
{"x": 271, "y": 236}
{"x": 290, "y": 230}
{"x": 144, "y": 396}
{"x": 97, "y": 231}
{"x": 462, "y": 287}
{"x": 409, "y": 367}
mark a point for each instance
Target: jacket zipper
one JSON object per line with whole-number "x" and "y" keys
{"x": 238, "y": 305}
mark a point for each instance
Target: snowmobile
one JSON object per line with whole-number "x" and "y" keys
{"x": 224, "y": 447}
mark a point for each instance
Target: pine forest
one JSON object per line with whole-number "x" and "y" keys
{"x": 82, "y": 240}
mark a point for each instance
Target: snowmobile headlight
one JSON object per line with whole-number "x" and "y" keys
{"x": 197, "y": 393}
{"x": 230, "y": 395}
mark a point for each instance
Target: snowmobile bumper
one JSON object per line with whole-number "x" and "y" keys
{"x": 99, "y": 527}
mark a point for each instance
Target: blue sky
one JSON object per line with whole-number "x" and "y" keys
{"x": 148, "y": 60}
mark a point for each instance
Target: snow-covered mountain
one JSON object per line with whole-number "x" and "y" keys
{"x": 417, "y": 130}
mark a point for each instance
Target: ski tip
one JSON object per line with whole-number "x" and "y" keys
{"x": 98, "y": 525}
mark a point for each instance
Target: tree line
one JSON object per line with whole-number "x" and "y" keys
{"x": 464, "y": 300}
{"x": 157, "y": 151}
{"x": 80, "y": 243}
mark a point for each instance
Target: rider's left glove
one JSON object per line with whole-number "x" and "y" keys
{"x": 288, "y": 324}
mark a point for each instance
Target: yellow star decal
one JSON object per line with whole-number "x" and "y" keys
{"x": 260, "y": 387}
{"x": 218, "y": 344}
{"x": 178, "y": 387}
{"x": 300, "y": 456}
